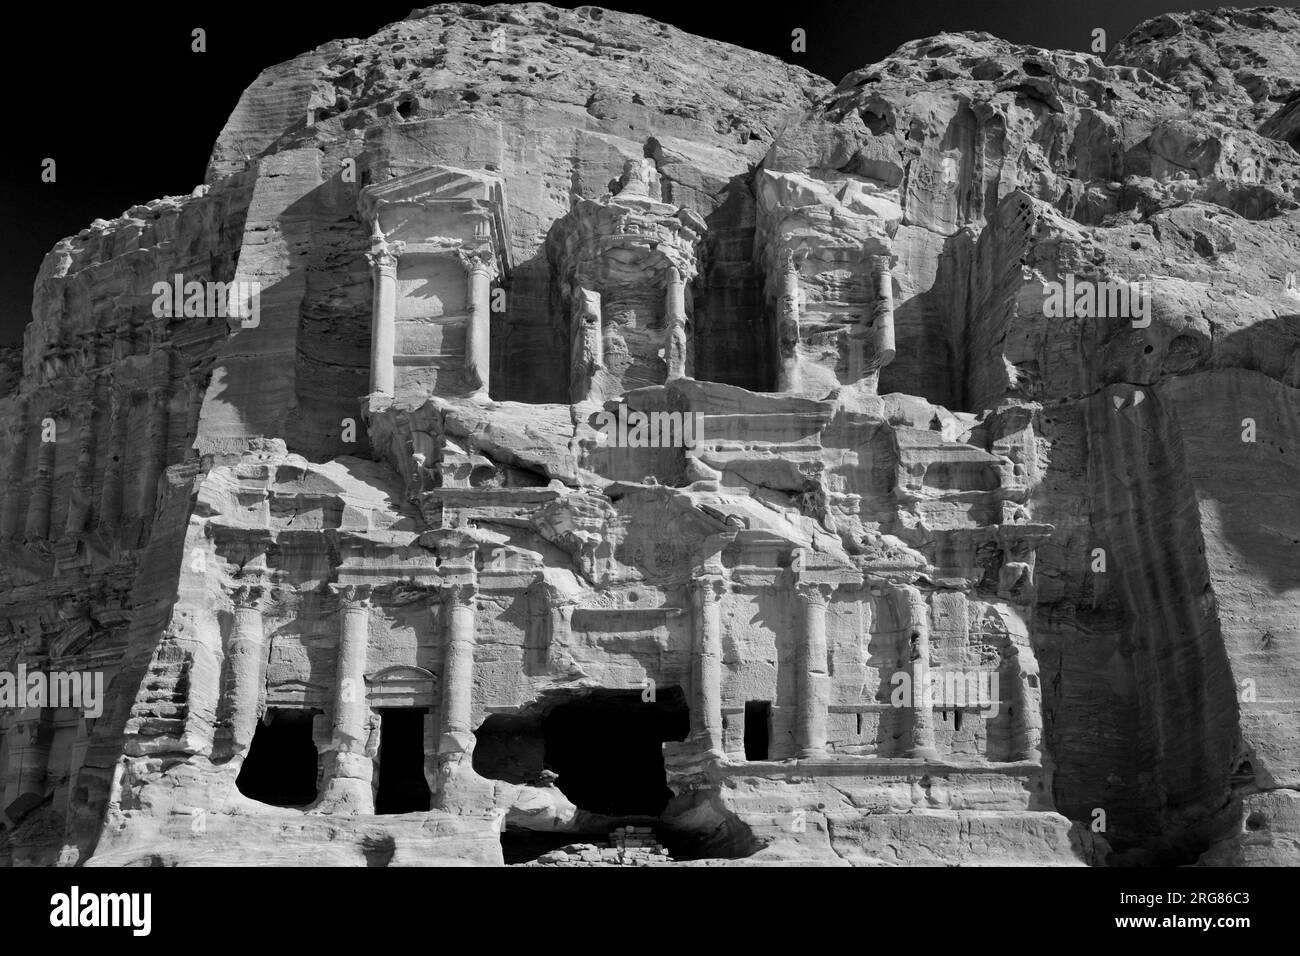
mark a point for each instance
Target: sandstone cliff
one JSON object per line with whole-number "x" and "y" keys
{"x": 489, "y": 238}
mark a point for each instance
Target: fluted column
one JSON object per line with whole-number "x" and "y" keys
{"x": 480, "y": 267}
{"x": 814, "y": 681}
{"x": 350, "y": 773}
{"x": 787, "y": 328}
{"x": 383, "y": 258}
{"x": 457, "y": 740}
{"x": 245, "y": 661}
{"x": 882, "y": 312}
{"x": 675, "y": 324}
{"x": 706, "y": 714}
{"x": 916, "y": 623}
{"x": 38, "y": 509}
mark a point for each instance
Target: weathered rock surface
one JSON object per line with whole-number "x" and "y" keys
{"x": 614, "y": 446}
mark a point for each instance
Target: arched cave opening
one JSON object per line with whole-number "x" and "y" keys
{"x": 604, "y": 748}
{"x": 282, "y": 763}
{"x": 607, "y": 749}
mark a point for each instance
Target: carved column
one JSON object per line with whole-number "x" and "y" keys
{"x": 916, "y": 626}
{"x": 155, "y": 455}
{"x": 1024, "y": 695}
{"x": 245, "y": 660}
{"x": 882, "y": 312}
{"x": 38, "y": 509}
{"x": 480, "y": 267}
{"x": 588, "y": 349}
{"x": 14, "y": 479}
{"x": 787, "y": 328}
{"x": 457, "y": 741}
{"x": 79, "y": 505}
{"x": 110, "y": 495}
{"x": 675, "y": 324}
{"x": 706, "y": 714}
{"x": 29, "y": 748}
{"x": 383, "y": 316}
{"x": 814, "y": 681}
{"x": 348, "y": 786}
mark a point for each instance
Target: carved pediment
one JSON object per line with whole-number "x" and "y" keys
{"x": 401, "y": 685}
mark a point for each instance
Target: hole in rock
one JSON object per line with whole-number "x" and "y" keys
{"x": 280, "y": 768}
{"x": 758, "y": 724}
{"x": 402, "y": 787}
{"x": 607, "y": 749}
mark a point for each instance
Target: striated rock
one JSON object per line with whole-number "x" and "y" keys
{"x": 541, "y": 450}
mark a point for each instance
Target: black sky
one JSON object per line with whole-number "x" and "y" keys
{"x": 114, "y": 94}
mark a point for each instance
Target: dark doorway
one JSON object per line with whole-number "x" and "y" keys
{"x": 758, "y": 724}
{"x": 607, "y": 748}
{"x": 280, "y": 768}
{"x": 402, "y": 787}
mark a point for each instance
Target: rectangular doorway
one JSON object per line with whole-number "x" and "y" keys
{"x": 758, "y": 728}
{"x": 402, "y": 787}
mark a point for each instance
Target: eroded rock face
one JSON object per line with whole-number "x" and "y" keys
{"x": 742, "y": 466}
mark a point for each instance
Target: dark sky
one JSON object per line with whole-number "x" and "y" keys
{"x": 114, "y": 94}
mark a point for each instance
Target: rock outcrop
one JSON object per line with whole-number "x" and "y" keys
{"x": 549, "y": 435}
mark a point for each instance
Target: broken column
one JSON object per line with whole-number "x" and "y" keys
{"x": 480, "y": 267}
{"x": 1023, "y": 694}
{"x": 706, "y": 713}
{"x": 383, "y": 257}
{"x": 787, "y": 326}
{"x": 245, "y": 659}
{"x": 675, "y": 324}
{"x": 350, "y": 770}
{"x": 813, "y": 680}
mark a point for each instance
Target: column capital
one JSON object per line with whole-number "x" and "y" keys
{"x": 814, "y": 594}
{"x": 384, "y": 255}
{"x": 709, "y": 588}
{"x": 249, "y": 595}
{"x": 788, "y": 263}
{"x": 460, "y": 594}
{"x": 352, "y": 597}
{"x": 482, "y": 261}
